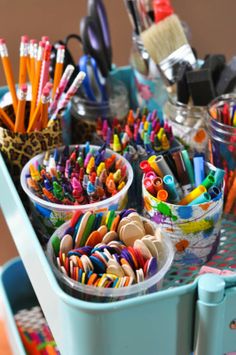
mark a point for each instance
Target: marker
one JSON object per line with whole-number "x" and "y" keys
{"x": 162, "y": 195}
{"x": 149, "y": 186}
{"x": 205, "y": 197}
{"x": 214, "y": 191}
{"x": 188, "y": 166}
{"x": 157, "y": 183}
{"x": 199, "y": 170}
{"x": 193, "y": 195}
{"x": 218, "y": 175}
{"x": 170, "y": 188}
{"x": 182, "y": 173}
{"x": 208, "y": 181}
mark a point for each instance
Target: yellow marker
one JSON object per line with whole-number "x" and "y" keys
{"x": 34, "y": 173}
{"x": 116, "y": 144}
{"x": 117, "y": 175}
{"x": 160, "y": 133}
{"x": 90, "y": 165}
{"x": 165, "y": 144}
{"x": 192, "y": 195}
{"x": 154, "y": 166}
{"x": 100, "y": 168}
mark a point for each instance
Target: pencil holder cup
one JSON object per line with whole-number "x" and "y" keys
{"x": 50, "y": 216}
{"x": 91, "y": 293}
{"x": 194, "y": 230}
{"x": 188, "y": 123}
{"x": 222, "y": 144}
{"x": 18, "y": 148}
{"x": 84, "y": 112}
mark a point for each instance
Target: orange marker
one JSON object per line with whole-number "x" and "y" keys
{"x": 35, "y": 84}
{"x": 58, "y": 68}
{"x": 8, "y": 72}
{"x": 20, "y": 114}
{"x": 162, "y": 195}
{"x": 24, "y": 50}
{"x": 6, "y": 120}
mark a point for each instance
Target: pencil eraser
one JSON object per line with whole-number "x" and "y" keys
{"x": 181, "y": 81}
{"x": 201, "y": 86}
{"x": 2, "y": 41}
{"x": 24, "y": 39}
{"x": 227, "y": 80}
{"x": 215, "y": 63}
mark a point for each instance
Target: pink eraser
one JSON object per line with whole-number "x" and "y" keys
{"x": 41, "y": 44}
{"x": 45, "y": 38}
{"x": 2, "y": 41}
{"x": 24, "y": 39}
{"x": 23, "y": 87}
{"x": 33, "y": 41}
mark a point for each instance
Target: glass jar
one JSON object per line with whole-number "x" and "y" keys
{"x": 188, "y": 123}
{"x": 84, "y": 113}
{"x": 222, "y": 145}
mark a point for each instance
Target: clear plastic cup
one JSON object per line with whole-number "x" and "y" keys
{"x": 97, "y": 294}
{"x": 194, "y": 230}
{"x": 52, "y": 215}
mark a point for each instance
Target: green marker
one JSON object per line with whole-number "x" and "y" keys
{"x": 189, "y": 167}
{"x": 209, "y": 181}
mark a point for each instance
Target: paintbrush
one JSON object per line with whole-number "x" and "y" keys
{"x": 168, "y": 46}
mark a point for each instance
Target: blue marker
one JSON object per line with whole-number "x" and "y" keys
{"x": 169, "y": 184}
{"x": 199, "y": 170}
{"x": 205, "y": 197}
{"x": 218, "y": 175}
{"x": 214, "y": 191}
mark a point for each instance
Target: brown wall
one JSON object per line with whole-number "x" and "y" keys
{"x": 212, "y": 27}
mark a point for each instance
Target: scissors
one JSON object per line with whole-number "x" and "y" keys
{"x": 95, "y": 36}
{"x": 94, "y": 83}
{"x": 97, "y": 11}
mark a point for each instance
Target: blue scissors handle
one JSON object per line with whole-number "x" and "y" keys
{"x": 94, "y": 83}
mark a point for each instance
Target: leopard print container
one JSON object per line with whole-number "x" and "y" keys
{"x": 18, "y": 148}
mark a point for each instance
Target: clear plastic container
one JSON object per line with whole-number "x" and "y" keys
{"x": 188, "y": 123}
{"x": 97, "y": 294}
{"x": 85, "y": 112}
{"x": 194, "y": 230}
{"x": 52, "y": 215}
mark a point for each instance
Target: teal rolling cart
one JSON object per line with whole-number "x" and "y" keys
{"x": 190, "y": 314}
{"x": 176, "y": 321}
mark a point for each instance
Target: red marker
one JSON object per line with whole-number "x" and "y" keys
{"x": 145, "y": 166}
{"x": 149, "y": 186}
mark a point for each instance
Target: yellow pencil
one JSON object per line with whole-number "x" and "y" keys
{"x": 20, "y": 115}
{"x": 24, "y": 49}
{"x": 6, "y": 120}
{"x": 58, "y": 68}
{"x": 36, "y": 78}
{"x": 8, "y": 72}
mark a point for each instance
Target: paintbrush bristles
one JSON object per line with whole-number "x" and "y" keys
{"x": 163, "y": 38}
